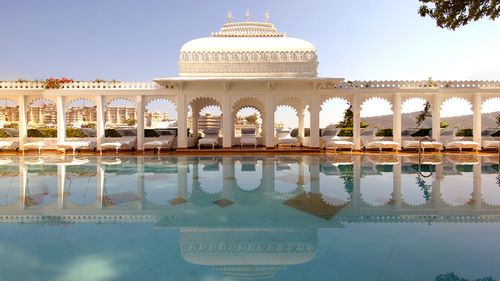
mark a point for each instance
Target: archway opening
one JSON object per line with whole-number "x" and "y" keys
{"x": 120, "y": 113}
{"x": 81, "y": 118}
{"x": 9, "y": 114}
{"x": 248, "y": 118}
{"x": 160, "y": 114}
{"x": 456, "y": 113}
{"x": 377, "y": 115}
{"x": 42, "y": 119}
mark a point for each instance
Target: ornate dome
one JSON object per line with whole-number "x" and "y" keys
{"x": 248, "y": 49}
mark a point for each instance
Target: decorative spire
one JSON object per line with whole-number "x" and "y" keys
{"x": 229, "y": 16}
{"x": 267, "y": 16}
{"x": 248, "y": 14}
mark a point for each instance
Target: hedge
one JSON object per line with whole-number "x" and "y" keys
{"x": 384, "y": 133}
{"x": 74, "y": 133}
{"x": 42, "y": 133}
{"x": 112, "y": 133}
{"x": 3, "y": 134}
{"x": 464, "y": 133}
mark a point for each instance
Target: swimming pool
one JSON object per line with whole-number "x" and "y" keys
{"x": 337, "y": 217}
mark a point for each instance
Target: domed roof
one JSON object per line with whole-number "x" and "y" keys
{"x": 248, "y": 49}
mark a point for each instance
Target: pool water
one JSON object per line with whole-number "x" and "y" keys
{"x": 336, "y": 217}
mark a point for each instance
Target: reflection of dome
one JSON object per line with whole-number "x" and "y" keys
{"x": 248, "y": 49}
{"x": 248, "y": 253}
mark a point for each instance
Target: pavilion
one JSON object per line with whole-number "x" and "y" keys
{"x": 249, "y": 64}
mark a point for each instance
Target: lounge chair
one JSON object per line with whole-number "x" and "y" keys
{"x": 451, "y": 141}
{"x": 369, "y": 140}
{"x": 248, "y": 137}
{"x": 331, "y": 140}
{"x": 211, "y": 137}
{"x": 489, "y": 141}
{"x": 9, "y": 144}
{"x": 39, "y": 145}
{"x": 409, "y": 143}
{"x": 284, "y": 137}
{"x": 75, "y": 145}
{"x": 165, "y": 140}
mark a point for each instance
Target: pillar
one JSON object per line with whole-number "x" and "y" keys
{"x": 476, "y": 183}
{"x": 314, "y": 108}
{"x": 228, "y": 175}
{"x": 140, "y": 122}
{"x": 356, "y": 118}
{"x": 269, "y": 120}
{"x": 314, "y": 175}
{"x": 182, "y": 189}
{"x": 194, "y": 119}
{"x": 356, "y": 182}
{"x": 181, "y": 121}
{"x": 61, "y": 122}
{"x": 300, "y": 115}
{"x": 227, "y": 122}
{"x": 101, "y": 173}
{"x": 140, "y": 182}
{"x": 100, "y": 126}
{"x": 436, "y": 117}
{"x": 436, "y": 187}
{"x": 476, "y": 118}
{"x": 396, "y": 118}
{"x": 23, "y": 124}
{"x": 268, "y": 174}
{"x": 23, "y": 181}
{"x": 61, "y": 187}
{"x": 396, "y": 185}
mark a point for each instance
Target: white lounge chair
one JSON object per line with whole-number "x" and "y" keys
{"x": 165, "y": 140}
{"x": 409, "y": 143}
{"x": 284, "y": 137}
{"x": 248, "y": 137}
{"x": 39, "y": 145}
{"x": 75, "y": 145}
{"x": 451, "y": 141}
{"x": 211, "y": 137}
{"x": 9, "y": 144}
{"x": 331, "y": 140}
{"x": 369, "y": 140}
{"x": 489, "y": 142}
{"x": 124, "y": 142}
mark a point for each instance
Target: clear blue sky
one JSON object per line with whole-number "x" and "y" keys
{"x": 132, "y": 40}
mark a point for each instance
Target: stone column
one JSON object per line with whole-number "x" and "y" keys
{"x": 227, "y": 122}
{"x": 436, "y": 117}
{"x": 61, "y": 123}
{"x": 140, "y": 122}
{"x": 194, "y": 118}
{"x": 356, "y": 118}
{"x": 396, "y": 118}
{"x": 476, "y": 183}
{"x": 396, "y": 185}
{"x": 182, "y": 189}
{"x": 268, "y": 174}
{"x": 23, "y": 124}
{"x": 181, "y": 121}
{"x": 100, "y": 126}
{"x": 476, "y": 118}
{"x": 228, "y": 177}
{"x": 356, "y": 183}
{"x": 300, "y": 115}
{"x": 314, "y": 175}
{"x": 436, "y": 187}
{"x": 314, "y": 108}
{"x": 140, "y": 183}
{"x": 269, "y": 120}
{"x": 101, "y": 172}
{"x": 23, "y": 181}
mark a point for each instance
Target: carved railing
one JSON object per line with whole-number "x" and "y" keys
{"x": 81, "y": 85}
{"x": 423, "y": 84}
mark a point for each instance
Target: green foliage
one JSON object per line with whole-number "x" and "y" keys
{"x": 424, "y": 187}
{"x": 3, "y": 134}
{"x": 423, "y": 114}
{"x": 42, "y": 133}
{"x": 74, "y": 133}
{"x": 464, "y": 133}
{"x": 496, "y": 134}
{"x": 112, "y": 133}
{"x": 345, "y": 132}
{"x": 92, "y": 125}
{"x": 443, "y": 124}
{"x": 384, "y": 133}
{"x": 453, "y": 14}
{"x": 348, "y": 120}
{"x": 12, "y": 125}
{"x": 150, "y": 133}
{"x": 131, "y": 122}
{"x": 251, "y": 119}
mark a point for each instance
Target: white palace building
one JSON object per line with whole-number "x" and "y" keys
{"x": 248, "y": 64}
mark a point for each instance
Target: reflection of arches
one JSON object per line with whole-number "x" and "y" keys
{"x": 248, "y": 174}
{"x": 456, "y": 190}
{"x": 415, "y": 191}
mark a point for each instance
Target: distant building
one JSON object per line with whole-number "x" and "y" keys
{"x": 117, "y": 116}
{"x": 156, "y": 119}
{"x": 78, "y": 116}
{"x": 42, "y": 116}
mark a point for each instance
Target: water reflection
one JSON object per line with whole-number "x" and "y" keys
{"x": 249, "y": 217}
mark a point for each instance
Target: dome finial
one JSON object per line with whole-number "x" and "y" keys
{"x": 267, "y": 16}
{"x": 229, "y": 16}
{"x": 248, "y": 14}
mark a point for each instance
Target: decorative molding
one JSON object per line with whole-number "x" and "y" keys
{"x": 422, "y": 84}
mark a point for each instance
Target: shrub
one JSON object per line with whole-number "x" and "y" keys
{"x": 112, "y": 133}
{"x": 345, "y": 132}
{"x": 384, "y": 133}
{"x": 74, "y": 133}
{"x": 3, "y": 134}
{"x": 150, "y": 133}
{"x": 464, "y": 133}
{"x": 42, "y": 133}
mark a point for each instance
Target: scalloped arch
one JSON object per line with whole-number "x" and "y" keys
{"x": 120, "y": 98}
{"x": 295, "y": 103}
{"x": 340, "y": 99}
{"x": 33, "y": 100}
{"x": 67, "y": 104}
{"x": 249, "y": 102}
{"x": 153, "y": 99}
{"x": 3, "y": 101}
